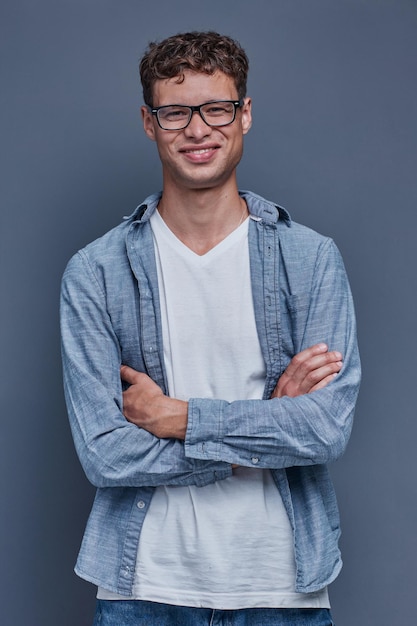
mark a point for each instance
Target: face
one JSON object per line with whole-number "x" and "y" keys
{"x": 199, "y": 156}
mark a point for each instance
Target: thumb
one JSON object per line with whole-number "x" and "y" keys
{"x": 128, "y": 374}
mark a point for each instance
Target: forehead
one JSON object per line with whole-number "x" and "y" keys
{"x": 194, "y": 88}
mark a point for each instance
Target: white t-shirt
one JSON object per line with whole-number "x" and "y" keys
{"x": 228, "y": 545}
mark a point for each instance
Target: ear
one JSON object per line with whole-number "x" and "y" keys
{"x": 148, "y": 122}
{"x": 246, "y": 115}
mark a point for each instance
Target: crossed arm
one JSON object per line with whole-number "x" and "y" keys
{"x": 146, "y": 406}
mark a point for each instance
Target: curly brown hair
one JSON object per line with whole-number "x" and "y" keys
{"x": 205, "y": 52}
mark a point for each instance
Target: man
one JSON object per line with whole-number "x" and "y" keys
{"x": 227, "y": 323}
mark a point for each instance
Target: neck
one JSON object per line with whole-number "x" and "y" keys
{"x": 201, "y": 219}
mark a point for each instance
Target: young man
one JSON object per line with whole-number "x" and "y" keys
{"x": 227, "y": 323}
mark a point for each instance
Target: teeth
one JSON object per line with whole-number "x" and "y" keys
{"x": 199, "y": 151}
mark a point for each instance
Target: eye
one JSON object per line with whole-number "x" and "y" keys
{"x": 173, "y": 114}
{"x": 218, "y": 109}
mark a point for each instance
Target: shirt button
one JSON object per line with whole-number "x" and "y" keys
{"x": 141, "y": 504}
{"x": 255, "y": 460}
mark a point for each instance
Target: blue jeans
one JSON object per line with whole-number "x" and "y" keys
{"x": 142, "y": 613}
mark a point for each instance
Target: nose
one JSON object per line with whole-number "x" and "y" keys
{"x": 197, "y": 127}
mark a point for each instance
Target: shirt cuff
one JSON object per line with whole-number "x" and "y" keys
{"x": 205, "y": 429}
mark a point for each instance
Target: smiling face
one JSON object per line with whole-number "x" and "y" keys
{"x": 199, "y": 156}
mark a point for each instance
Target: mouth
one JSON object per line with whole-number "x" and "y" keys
{"x": 198, "y": 151}
{"x": 199, "y": 154}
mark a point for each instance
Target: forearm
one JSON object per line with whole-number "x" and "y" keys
{"x": 285, "y": 431}
{"x": 146, "y": 406}
{"x": 309, "y": 429}
{"x": 112, "y": 451}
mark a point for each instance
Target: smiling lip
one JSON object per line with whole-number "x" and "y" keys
{"x": 199, "y": 154}
{"x": 201, "y": 151}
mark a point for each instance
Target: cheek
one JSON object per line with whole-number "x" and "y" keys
{"x": 165, "y": 140}
{"x": 238, "y": 141}
{"x": 165, "y": 150}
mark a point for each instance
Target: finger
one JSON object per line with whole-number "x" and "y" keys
{"x": 139, "y": 381}
{"x": 323, "y": 383}
{"x": 306, "y": 369}
{"x": 316, "y": 366}
{"x": 299, "y": 359}
{"x": 307, "y": 381}
{"x": 129, "y": 375}
{"x": 310, "y": 371}
{"x": 314, "y": 376}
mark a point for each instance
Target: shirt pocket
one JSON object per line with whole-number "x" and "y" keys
{"x": 294, "y": 322}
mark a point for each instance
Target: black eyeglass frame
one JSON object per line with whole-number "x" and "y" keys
{"x": 197, "y": 109}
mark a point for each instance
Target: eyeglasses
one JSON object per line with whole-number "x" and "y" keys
{"x": 177, "y": 116}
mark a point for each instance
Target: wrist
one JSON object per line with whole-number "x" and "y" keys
{"x": 174, "y": 423}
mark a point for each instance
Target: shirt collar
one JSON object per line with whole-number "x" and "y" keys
{"x": 259, "y": 209}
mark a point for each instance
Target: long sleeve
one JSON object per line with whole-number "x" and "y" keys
{"x": 112, "y": 451}
{"x": 285, "y": 432}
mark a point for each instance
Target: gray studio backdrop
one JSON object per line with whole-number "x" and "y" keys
{"x": 334, "y": 140}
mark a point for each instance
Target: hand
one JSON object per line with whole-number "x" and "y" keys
{"x": 146, "y": 406}
{"x": 308, "y": 371}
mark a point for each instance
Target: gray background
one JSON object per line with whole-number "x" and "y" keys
{"x": 334, "y": 140}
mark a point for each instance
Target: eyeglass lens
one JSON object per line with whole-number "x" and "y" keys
{"x": 213, "y": 113}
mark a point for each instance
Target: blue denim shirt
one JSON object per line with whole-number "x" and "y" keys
{"x": 110, "y": 314}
